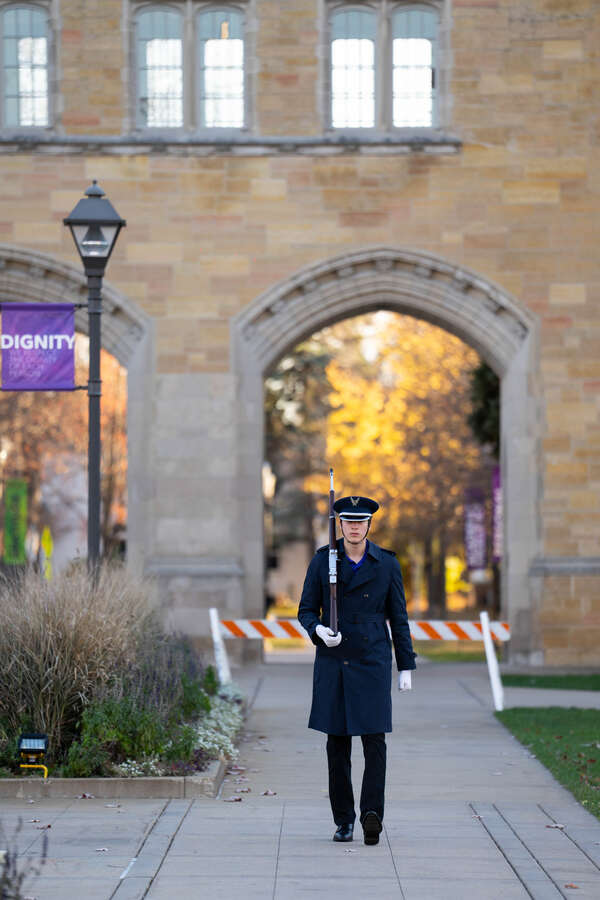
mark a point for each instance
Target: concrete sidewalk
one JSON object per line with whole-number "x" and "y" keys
{"x": 468, "y": 812}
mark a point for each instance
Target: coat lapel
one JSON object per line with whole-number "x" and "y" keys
{"x": 354, "y": 579}
{"x": 345, "y": 571}
{"x": 364, "y": 574}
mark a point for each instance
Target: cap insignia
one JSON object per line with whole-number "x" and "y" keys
{"x": 354, "y": 500}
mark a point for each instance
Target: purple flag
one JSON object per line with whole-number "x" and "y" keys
{"x": 38, "y": 346}
{"x": 497, "y": 517}
{"x": 475, "y": 530}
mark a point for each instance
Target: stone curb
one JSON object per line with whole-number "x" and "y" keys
{"x": 205, "y": 784}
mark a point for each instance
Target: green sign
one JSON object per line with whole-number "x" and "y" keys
{"x": 15, "y": 521}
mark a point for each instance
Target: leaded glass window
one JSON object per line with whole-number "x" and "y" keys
{"x": 413, "y": 52}
{"x": 25, "y": 66}
{"x": 221, "y": 68}
{"x": 160, "y": 68}
{"x": 353, "y": 33}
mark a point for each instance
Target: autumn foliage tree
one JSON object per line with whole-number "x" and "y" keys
{"x": 484, "y": 417}
{"x": 296, "y": 408}
{"x": 399, "y": 432}
{"x": 44, "y": 438}
{"x": 389, "y": 410}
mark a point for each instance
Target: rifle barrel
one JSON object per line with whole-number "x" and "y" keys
{"x": 332, "y": 559}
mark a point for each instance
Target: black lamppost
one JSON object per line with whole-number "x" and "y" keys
{"x": 95, "y": 225}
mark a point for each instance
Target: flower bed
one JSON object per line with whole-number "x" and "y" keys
{"x": 86, "y": 661}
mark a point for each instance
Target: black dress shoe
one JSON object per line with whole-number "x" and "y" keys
{"x": 344, "y": 832}
{"x": 372, "y": 826}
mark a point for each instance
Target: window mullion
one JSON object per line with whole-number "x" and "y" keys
{"x": 189, "y": 69}
{"x": 383, "y": 63}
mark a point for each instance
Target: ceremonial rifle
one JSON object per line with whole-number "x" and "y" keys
{"x": 333, "y": 622}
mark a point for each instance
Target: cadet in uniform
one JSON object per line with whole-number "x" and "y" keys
{"x": 352, "y": 672}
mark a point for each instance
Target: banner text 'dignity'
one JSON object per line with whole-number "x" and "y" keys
{"x": 37, "y": 344}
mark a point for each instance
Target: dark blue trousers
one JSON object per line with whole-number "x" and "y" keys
{"x": 341, "y": 796}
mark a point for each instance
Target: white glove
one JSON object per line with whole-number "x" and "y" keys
{"x": 327, "y": 636}
{"x": 404, "y": 681}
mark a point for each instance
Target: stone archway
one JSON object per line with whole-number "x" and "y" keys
{"x": 29, "y": 276}
{"x": 428, "y": 287}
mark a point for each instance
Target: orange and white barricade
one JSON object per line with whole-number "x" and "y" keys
{"x": 426, "y": 630}
{"x": 420, "y": 630}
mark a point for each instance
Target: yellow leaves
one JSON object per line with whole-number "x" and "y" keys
{"x": 398, "y": 427}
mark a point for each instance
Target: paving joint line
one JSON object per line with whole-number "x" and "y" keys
{"x": 278, "y": 848}
{"x": 39, "y": 837}
{"x": 143, "y": 844}
{"x": 259, "y": 684}
{"x": 387, "y": 837}
{"x": 471, "y": 692}
{"x": 572, "y": 839}
{"x": 533, "y": 856}
{"x": 486, "y": 829}
{"x": 149, "y": 831}
{"x": 170, "y": 844}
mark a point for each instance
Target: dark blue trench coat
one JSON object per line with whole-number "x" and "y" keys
{"x": 352, "y": 682}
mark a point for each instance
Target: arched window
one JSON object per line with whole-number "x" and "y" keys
{"x": 159, "y": 46}
{"x": 24, "y": 66}
{"x": 221, "y": 68}
{"x": 414, "y": 38}
{"x": 353, "y": 34}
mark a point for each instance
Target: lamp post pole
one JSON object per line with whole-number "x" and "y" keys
{"x": 94, "y": 438}
{"x": 95, "y": 226}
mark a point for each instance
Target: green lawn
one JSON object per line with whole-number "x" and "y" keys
{"x": 566, "y": 682}
{"x": 450, "y": 651}
{"x": 567, "y": 741}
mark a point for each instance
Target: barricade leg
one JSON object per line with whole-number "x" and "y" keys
{"x": 492, "y": 662}
{"x": 221, "y": 658}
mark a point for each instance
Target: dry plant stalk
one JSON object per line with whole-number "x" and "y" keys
{"x": 63, "y": 640}
{"x": 15, "y": 868}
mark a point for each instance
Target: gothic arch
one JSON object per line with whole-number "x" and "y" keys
{"x": 32, "y": 277}
{"x": 127, "y": 333}
{"x": 428, "y": 287}
{"x": 411, "y": 282}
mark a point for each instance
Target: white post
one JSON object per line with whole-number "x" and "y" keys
{"x": 221, "y": 659}
{"x": 492, "y": 662}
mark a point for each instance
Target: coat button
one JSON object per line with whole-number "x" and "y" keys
{"x": 365, "y": 596}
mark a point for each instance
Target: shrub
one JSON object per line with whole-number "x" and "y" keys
{"x": 216, "y": 731}
{"x": 194, "y": 698}
{"x": 115, "y": 730}
{"x": 86, "y": 661}
{"x": 182, "y": 744}
{"x": 61, "y": 641}
{"x": 85, "y": 760}
{"x": 211, "y": 682}
{"x": 157, "y": 676}
{"x": 8, "y": 749}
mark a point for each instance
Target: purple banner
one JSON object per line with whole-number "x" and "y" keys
{"x": 475, "y": 531}
{"x": 497, "y": 517}
{"x": 38, "y": 346}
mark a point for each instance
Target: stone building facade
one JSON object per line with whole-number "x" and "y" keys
{"x": 243, "y": 238}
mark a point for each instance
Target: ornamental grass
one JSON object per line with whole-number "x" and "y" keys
{"x": 86, "y": 661}
{"x": 66, "y": 641}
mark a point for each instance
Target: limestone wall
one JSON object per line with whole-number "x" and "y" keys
{"x": 509, "y": 189}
